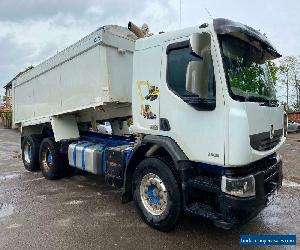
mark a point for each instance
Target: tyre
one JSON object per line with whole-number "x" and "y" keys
{"x": 68, "y": 170}
{"x": 52, "y": 163}
{"x": 157, "y": 194}
{"x": 30, "y": 152}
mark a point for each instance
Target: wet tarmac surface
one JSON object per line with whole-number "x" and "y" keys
{"x": 82, "y": 212}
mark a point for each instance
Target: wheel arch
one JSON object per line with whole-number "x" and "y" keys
{"x": 44, "y": 129}
{"x": 162, "y": 147}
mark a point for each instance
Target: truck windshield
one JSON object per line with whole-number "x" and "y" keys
{"x": 246, "y": 70}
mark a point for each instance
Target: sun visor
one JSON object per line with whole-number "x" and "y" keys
{"x": 225, "y": 26}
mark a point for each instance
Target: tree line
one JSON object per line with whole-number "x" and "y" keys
{"x": 286, "y": 76}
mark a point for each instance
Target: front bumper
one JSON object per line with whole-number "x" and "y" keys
{"x": 227, "y": 211}
{"x": 267, "y": 183}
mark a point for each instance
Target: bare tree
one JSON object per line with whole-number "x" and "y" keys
{"x": 297, "y": 87}
{"x": 289, "y": 75}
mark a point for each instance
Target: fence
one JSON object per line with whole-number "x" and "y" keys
{"x": 294, "y": 116}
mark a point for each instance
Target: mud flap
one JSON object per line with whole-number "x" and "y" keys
{"x": 65, "y": 127}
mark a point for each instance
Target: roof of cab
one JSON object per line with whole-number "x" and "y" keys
{"x": 157, "y": 40}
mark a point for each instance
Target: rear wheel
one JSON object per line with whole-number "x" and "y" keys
{"x": 30, "y": 152}
{"x": 157, "y": 194}
{"x": 52, "y": 163}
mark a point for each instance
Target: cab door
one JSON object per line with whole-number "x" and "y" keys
{"x": 191, "y": 100}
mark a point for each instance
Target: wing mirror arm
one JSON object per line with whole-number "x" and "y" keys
{"x": 199, "y": 42}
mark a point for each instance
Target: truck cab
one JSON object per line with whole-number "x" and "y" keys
{"x": 217, "y": 103}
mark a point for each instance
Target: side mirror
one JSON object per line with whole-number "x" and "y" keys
{"x": 199, "y": 42}
{"x": 199, "y": 76}
{"x": 196, "y": 78}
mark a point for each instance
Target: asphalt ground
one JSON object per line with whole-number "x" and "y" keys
{"x": 82, "y": 212}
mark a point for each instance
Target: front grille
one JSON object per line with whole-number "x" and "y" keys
{"x": 263, "y": 142}
{"x": 271, "y": 178}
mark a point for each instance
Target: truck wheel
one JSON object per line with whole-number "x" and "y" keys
{"x": 52, "y": 163}
{"x": 156, "y": 194}
{"x": 30, "y": 152}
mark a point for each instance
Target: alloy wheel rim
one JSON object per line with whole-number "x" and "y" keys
{"x": 27, "y": 152}
{"x": 154, "y": 194}
{"x": 47, "y": 159}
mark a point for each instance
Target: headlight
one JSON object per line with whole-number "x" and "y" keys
{"x": 241, "y": 187}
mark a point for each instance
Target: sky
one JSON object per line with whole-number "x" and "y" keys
{"x": 33, "y": 30}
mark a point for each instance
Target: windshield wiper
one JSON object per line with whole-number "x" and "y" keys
{"x": 273, "y": 103}
{"x": 263, "y": 101}
{"x": 255, "y": 99}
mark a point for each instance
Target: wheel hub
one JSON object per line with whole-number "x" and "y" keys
{"x": 154, "y": 194}
{"x": 27, "y": 152}
{"x": 47, "y": 158}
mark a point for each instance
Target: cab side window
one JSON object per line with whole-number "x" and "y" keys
{"x": 190, "y": 76}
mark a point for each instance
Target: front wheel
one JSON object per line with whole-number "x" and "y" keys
{"x": 157, "y": 194}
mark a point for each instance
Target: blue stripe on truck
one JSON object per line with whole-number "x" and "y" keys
{"x": 82, "y": 154}
{"x": 74, "y": 155}
{"x": 103, "y": 163}
{"x": 74, "y": 152}
{"x": 101, "y": 148}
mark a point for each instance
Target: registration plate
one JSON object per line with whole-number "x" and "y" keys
{"x": 271, "y": 197}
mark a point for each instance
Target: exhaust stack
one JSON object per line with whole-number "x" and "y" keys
{"x": 136, "y": 30}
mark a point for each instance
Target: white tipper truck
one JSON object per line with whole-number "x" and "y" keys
{"x": 205, "y": 122}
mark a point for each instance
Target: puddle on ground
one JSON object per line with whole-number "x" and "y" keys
{"x": 6, "y": 209}
{"x": 8, "y": 176}
{"x": 64, "y": 222}
{"x": 13, "y": 226}
{"x": 105, "y": 214}
{"x": 75, "y": 202}
{"x": 293, "y": 184}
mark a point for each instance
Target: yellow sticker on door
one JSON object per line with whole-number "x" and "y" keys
{"x": 147, "y": 93}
